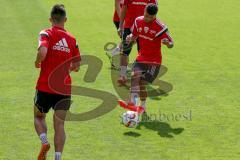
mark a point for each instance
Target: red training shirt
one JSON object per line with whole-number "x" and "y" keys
{"x": 135, "y": 8}
{"x": 150, "y": 36}
{"x": 55, "y": 68}
{"x": 116, "y": 18}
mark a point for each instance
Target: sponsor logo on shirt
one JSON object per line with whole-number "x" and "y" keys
{"x": 139, "y": 3}
{"x": 146, "y": 29}
{"x": 62, "y": 46}
{"x": 146, "y": 37}
{"x": 153, "y": 32}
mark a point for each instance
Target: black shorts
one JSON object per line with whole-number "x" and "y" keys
{"x": 127, "y": 48}
{"x": 44, "y": 101}
{"x": 149, "y": 72}
{"x": 117, "y": 24}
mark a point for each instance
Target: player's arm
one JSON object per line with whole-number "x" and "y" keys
{"x": 131, "y": 38}
{"x": 167, "y": 40}
{"x": 75, "y": 65}
{"x": 42, "y": 48}
{"x": 134, "y": 33}
{"x": 122, "y": 17}
{"x": 117, "y": 7}
{"x": 41, "y": 55}
{"x": 165, "y": 37}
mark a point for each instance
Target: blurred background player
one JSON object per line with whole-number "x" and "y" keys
{"x": 57, "y": 56}
{"x": 131, "y": 9}
{"x": 151, "y": 33}
{"x": 116, "y": 21}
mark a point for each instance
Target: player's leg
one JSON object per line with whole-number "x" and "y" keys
{"x": 124, "y": 57}
{"x": 138, "y": 81}
{"x": 123, "y": 70}
{"x": 116, "y": 23}
{"x": 135, "y": 85}
{"x": 143, "y": 93}
{"x": 149, "y": 75}
{"x": 61, "y": 105}
{"x": 116, "y": 50}
{"x": 40, "y": 123}
{"x": 132, "y": 104}
{"x": 41, "y": 107}
{"x": 59, "y": 134}
{"x": 143, "y": 98}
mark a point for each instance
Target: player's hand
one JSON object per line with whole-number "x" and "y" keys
{"x": 37, "y": 64}
{"x": 120, "y": 32}
{"x": 166, "y": 42}
{"x": 129, "y": 39}
{"x": 75, "y": 67}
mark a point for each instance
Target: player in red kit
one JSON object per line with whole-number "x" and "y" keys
{"x": 116, "y": 21}
{"x": 130, "y": 11}
{"x": 151, "y": 34}
{"x": 117, "y": 12}
{"x": 58, "y": 55}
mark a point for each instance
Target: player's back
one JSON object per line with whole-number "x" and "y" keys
{"x": 62, "y": 47}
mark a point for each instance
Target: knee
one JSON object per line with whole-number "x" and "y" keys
{"x": 39, "y": 115}
{"x": 39, "y": 118}
{"x": 136, "y": 76}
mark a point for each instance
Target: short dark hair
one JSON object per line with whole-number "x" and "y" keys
{"x": 58, "y": 13}
{"x": 152, "y": 9}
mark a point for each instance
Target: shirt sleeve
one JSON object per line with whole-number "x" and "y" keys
{"x": 167, "y": 36}
{"x": 162, "y": 29}
{"x": 76, "y": 53}
{"x": 43, "y": 39}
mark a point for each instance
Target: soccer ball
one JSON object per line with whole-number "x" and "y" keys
{"x": 130, "y": 119}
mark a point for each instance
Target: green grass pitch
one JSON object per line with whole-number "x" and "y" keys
{"x": 203, "y": 69}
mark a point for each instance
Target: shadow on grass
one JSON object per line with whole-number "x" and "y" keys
{"x": 132, "y": 134}
{"x": 163, "y": 129}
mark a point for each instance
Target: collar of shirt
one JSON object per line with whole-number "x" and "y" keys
{"x": 56, "y": 27}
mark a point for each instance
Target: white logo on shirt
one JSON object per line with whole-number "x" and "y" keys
{"x": 153, "y": 32}
{"x": 139, "y": 3}
{"x": 62, "y": 46}
{"x": 146, "y": 29}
